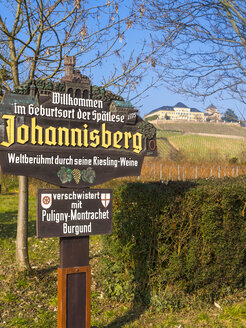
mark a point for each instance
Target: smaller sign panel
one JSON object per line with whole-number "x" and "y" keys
{"x": 69, "y": 212}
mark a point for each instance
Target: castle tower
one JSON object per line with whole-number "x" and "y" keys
{"x": 76, "y": 84}
{"x": 69, "y": 63}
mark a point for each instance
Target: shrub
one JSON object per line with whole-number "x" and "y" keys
{"x": 186, "y": 237}
{"x": 233, "y": 160}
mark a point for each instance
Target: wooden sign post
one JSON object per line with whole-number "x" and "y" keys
{"x": 74, "y": 281}
{"x": 73, "y": 215}
{"x": 51, "y": 132}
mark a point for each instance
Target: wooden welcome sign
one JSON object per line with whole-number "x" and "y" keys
{"x": 64, "y": 142}
{"x": 73, "y": 135}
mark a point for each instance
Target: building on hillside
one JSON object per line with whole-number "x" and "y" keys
{"x": 212, "y": 114}
{"x": 177, "y": 112}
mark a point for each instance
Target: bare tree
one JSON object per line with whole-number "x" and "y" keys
{"x": 207, "y": 54}
{"x": 35, "y": 35}
{"x": 38, "y": 34}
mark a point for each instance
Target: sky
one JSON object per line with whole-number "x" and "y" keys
{"x": 161, "y": 96}
{"x": 158, "y": 96}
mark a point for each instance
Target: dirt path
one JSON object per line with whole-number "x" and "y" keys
{"x": 216, "y": 135}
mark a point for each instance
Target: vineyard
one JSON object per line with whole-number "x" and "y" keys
{"x": 191, "y": 151}
{"x": 195, "y": 148}
{"x": 160, "y": 170}
{"x": 227, "y": 129}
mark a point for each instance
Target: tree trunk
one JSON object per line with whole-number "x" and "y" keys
{"x": 22, "y": 258}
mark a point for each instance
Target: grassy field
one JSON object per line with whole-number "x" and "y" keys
{"x": 30, "y": 300}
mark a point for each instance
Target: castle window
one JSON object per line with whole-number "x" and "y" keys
{"x": 85, "y": 94}
{"x": 78, "y": 93}
{"x": 70, "y": 92}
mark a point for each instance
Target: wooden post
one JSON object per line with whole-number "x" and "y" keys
{"x": 74, "y": 281}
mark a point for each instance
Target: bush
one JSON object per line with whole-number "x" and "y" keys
{"x": 186, "y": 237}
{"x": 233, "y": 160}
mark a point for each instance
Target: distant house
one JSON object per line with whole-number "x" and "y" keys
{"x": 212, "y": 114}
{"x": 177, "y": 112}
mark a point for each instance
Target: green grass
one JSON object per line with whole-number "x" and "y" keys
{"x": 26, "y": 300}
{"x": 29, "y": 300}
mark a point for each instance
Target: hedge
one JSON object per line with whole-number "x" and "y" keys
{"x": 188, "y": 237}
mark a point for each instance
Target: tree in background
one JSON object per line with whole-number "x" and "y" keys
{"x": 207, "y": 52}
{"x": 230, "y": 116}
{"x": 36, "y": 35}
{"x": 151, "y": 118}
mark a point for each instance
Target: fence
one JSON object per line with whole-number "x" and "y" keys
{"x": 164, "y": 171}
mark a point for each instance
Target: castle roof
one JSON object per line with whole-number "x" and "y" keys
{"x": 171, "y": 108}
{"x": 194, "y": 110}
{"x": 9, "y": 99}
{"x": 180, "y": 105}
{"x": 212, "y": 106}
{"x": 119, "y": 103}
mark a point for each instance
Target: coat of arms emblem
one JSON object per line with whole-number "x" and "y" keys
{"x": 105, "y": 199}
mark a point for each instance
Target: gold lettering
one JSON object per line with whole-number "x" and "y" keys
{"x": 137, "y": 142}
{"x": 86, "y": 135}
{"x": 39, "y": 130}
{"x": 117, "y": 138}
{"x": 22, "y": 134}
{"x": 106, "y": 135}
{"x": 94, "y": 137}
{"x": 50, "y": 132}
{"x": 75, "y": 137}
{"x": 10, "y": 130}
{"x": 128, "y": 135}
{"x": 63, "y": 132}
{"x": 75, "y": 132}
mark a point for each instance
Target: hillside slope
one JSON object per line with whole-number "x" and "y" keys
{"x": 201, "y": 127}
{"x": 186, "y": 141}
